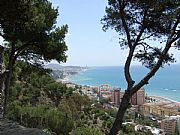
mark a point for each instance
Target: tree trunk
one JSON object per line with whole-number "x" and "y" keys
{"x": 2, "y": 81}
{"x": 8, "y": 78}
{"x": 117, "y": 125}
{"x": 7, "y": 86}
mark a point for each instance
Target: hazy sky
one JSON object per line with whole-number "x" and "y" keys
{"x": 87, "y": 43}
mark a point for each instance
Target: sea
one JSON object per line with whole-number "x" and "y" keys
{"x": 165, "y": 83}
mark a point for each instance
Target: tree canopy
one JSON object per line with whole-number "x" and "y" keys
{"x": 138, "y": 22}
{"x": 86, "y": 131}
{"x": 28, "y": 27}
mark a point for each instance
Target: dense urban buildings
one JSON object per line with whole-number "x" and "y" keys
{"x": 161, "y": 107}
{"x": 169, "y": 125}
{"x": 104, "y": 88}
{"x": 137, "y": 99}
{"x": 115, "y": 97}
{"x": 156, "y": 108}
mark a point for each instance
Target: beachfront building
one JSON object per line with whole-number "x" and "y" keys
{"x": 104, "y": 88}
{"x": 115, "y": 97}
{"x": 169, "y": 125}
{"x": 162, "y": 108}
{"x": 138, "y": 98}
{"x": 121, "y": 95}
{"x": 104, "y": 92}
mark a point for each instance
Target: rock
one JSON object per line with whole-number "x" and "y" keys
{"x": 10, "y": 128}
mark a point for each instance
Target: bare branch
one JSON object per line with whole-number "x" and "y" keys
{"x": 142, "y": 29}
{"x": 155, "y": 68}
{"x": 128, "y": 77}
{"x": 147, "y": 37}
{"x": 1, "y": 35}
{"x": 127, "y": 74}
{"x": 125, "y": 25}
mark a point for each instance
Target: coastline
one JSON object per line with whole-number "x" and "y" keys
{"x": 160, "y": 86}
{"x": 161, "y": 98}
{"x": 164, "y": 98}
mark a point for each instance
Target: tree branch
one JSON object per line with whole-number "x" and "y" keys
{"x": 155, "y": 68}
{"x": 142, "y": 29}
{"x": 127, "y": 74}
{"x": 128, "y": 77}
{"x": 125, "y": 25}
{"x": 21, "y": 49}
{"x": 1, "y": 35}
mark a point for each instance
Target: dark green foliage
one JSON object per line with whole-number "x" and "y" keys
{"x": 129, "y": 130}
{"x": 39, "y": 101}
{"x": 86, "y": 131}
{"x": 147, "y": 121}
{"x": 112, "y": 112}
{"x": 29, "y": 86}
{"x": 148, "y": 58}
{"x": 29, "y": 27}
{"x": 139, "y": 21}
{"x": 41, "y": 117}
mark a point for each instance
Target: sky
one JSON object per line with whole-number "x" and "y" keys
{"x": 87, "y": 43}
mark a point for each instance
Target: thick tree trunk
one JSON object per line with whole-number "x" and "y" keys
{"x": 2, "y": 81}
{"x": 7, "y": 83}
{"x": 2, "y": 87}
{"x": 8, "y": 78}
{"x": 6, "y": 90}
{"x": 117, "y": 125}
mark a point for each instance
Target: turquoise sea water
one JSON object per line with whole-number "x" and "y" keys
{"x": 165, "y": 83}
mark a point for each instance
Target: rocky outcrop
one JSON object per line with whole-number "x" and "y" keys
{"x": 10, "y": 128}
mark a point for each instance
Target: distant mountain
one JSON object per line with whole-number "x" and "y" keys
{"x": 64, "y": 68}
{"x": 61, "y": 72}
{"x": 53, "y": 66}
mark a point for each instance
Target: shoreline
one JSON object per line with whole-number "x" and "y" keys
{"x": 150, "y": 92}
{"x": 67, "y": 80}
{"x": 164, "y": 98}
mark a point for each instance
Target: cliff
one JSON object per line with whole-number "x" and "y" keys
{"x": 10, "y": 128}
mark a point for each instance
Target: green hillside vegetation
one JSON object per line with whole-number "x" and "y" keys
{"x": 31, "y": 97}
{"x": 38, "y": 101}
